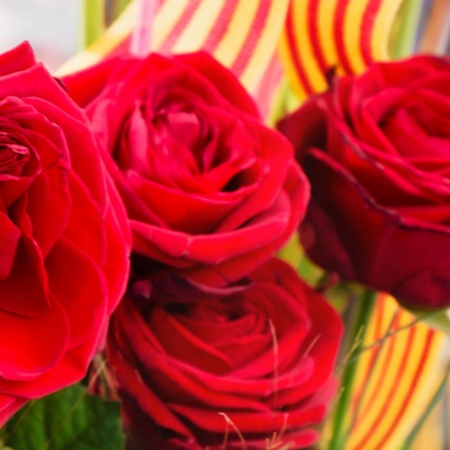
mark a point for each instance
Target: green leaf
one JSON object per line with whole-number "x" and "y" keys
{"x": 438, "y": 319}
{"x": 70, "y": 419}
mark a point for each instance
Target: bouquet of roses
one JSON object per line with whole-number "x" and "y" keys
{"x": 226, "y": 225}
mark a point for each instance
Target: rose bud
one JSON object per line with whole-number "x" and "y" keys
{"x": 253, "y": 365}
{"x": 209, "y": 189}
{"x": 376, "y": 150}
{"x": 64, "y": 236}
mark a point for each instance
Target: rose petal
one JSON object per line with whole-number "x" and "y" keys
{"x": 9, "y": 242}
{"x": 27, "y": 276}
{"x": 39, "y": 343}
{"x": 77, "y": 285}
{"x": 372, "y": 249}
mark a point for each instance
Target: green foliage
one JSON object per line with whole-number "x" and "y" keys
{"x": 438, "y": 319}
{"x": 70, "y": 419}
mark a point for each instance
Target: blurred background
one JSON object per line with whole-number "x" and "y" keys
{"x": 51, "y": 26}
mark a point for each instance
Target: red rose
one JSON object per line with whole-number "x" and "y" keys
{"x": 63, "y": 262}
{"x": 261, "y": 357}
{"x": 204, "y": 181}
{"x": 376, "y": 149}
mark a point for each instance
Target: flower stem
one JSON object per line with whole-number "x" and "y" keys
{"x": 93, "y": 20}
{"x": 364, "y": 310}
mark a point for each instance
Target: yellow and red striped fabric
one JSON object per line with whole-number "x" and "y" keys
{"x": 435, "y": 432}
{"x": 396, "y": 378}
{"x": 242, "y": 34}
{"x": 326, "y": 35}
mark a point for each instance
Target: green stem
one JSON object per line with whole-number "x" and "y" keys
{"x": 407, "y": 34}
{"x": 365, "y": 307}
{"x": 93, "y": 20}
{"x": 437, "y": 396}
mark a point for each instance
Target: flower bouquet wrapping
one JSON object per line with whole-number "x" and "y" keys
{"x": 226, "y": 225}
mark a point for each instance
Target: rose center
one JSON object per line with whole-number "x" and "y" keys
{"x": 212, "y": 311}
{"x": 183, "y": 126}
{"x": 13, "y": 156}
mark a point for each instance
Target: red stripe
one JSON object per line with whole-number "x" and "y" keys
{"x": 413, "y": 386}
{"x": 386, "y": 362}
{"x": 314, "y": 35}
{"x": 368, "y": 21}
{"x": 221, "y": 26}
{"x": 293, "y": 50}
{"x": 180, "y": 25}
{"x": 391, "y": 393}
{"x": 374, "y": 354}
{"x": 253, "y": 36}
{"x": 339, "y": 28}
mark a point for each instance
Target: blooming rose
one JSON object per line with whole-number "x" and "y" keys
{"x": 195, "y": 367}
{"x": 205, "y": 183}
{"x": 63, "y": 262}
{"x": 376, "y": 149}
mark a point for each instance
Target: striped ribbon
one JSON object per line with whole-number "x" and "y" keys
{"x": 323, "y": 36}
{"x": 241, "y": 34}
{"x": 396, "y": 378}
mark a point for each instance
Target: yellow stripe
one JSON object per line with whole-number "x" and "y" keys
{"x": 435, "y": 428}
{"x": 352, "y": 33}
{"x": 228, "y": 49}
{"x": 377, "y": 386}
{"x": 267, "y": 44}
{"x": 165, "y": 20}
{"x": 199, "y": 28}
{"x": 326, "y": 12}
{"x": 306, "y": 55}
{"x": 289, "y": 68}
{"x": 382, "y": 28}
{"x": 195, "y": 34}
{"x": 325, "y": 24}
{"x": 353, "y": 17}
{"x": 377, "y": 383}
{"x": 417, "y": 397}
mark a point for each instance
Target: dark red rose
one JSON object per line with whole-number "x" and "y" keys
{"x": 376, "y": 149}
{"x": 260, "y": 357}
{"x": 205, "y": 183}
{"x": 64, "y": 236}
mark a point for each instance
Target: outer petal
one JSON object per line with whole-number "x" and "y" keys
{"x": 39, "y": 343}
{"x": 8, "y": 406}
{"x": 373, "y": 248}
